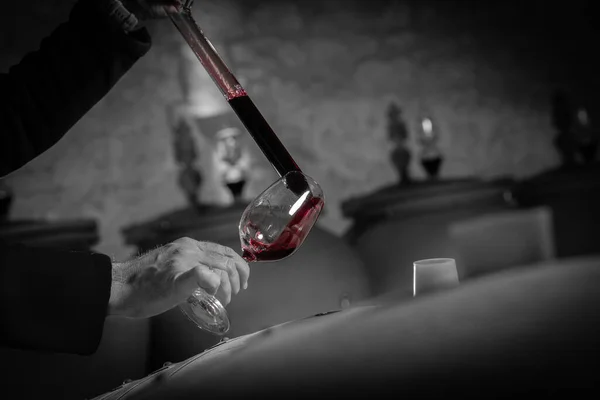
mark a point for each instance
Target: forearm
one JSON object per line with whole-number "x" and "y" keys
{"x": 117, "y": 288}
{"x": 125, "y": 279}
{"x": 43, "y": 96}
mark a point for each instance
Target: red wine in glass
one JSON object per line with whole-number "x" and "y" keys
{"x": 432, "y": 166}
{"x": 287, "y": 240}
{"x": 263, "y": 134}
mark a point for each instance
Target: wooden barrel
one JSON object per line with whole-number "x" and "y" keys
{"x": 524, "y": 331}
{"x": 573, "y": 195}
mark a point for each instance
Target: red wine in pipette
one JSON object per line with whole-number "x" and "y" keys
{"x": 264, "y": 136}
{"x": 267, "y": 140}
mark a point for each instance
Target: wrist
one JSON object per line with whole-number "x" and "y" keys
{"x": 117, "y": 290}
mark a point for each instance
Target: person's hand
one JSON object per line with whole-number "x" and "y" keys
{"x": 165, "y": 277}
{"x": 152, "y": 9}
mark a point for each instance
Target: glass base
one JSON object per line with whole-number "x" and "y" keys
{"x": 206, "y": 312}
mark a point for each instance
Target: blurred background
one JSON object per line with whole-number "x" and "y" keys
{"x": 414, "y": 116}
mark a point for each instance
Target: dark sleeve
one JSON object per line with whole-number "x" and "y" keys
{"x": 53, "y": 300}
{"x": 44, "y": 95}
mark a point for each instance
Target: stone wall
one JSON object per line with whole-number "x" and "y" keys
{"x": 322, "y": 73}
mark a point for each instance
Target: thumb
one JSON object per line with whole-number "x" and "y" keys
{"x": 198, "y": 277}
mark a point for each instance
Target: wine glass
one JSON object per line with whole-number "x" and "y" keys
{"x": 272, "y": 227}
{"x": 434, "y": 274}
{"x": 431, "y": 156}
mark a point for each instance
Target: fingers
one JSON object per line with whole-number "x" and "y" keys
{"x": 224, "y": 258}
{"x": 234, "y": 276}
{"x": 161, "y": 8}
{"x": 236, "y": 266}
{"x": 190, "y": 280}
{"x": 219, "y": 262}
{"x": 241, "y": 265}
{"x": 213, "y": 282}
{"x": 163, "y": 11}
{"x": 224, "y": 291}
{"x": 233, "y": 269}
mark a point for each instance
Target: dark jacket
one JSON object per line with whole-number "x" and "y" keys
{"x": 57, "y": 300}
